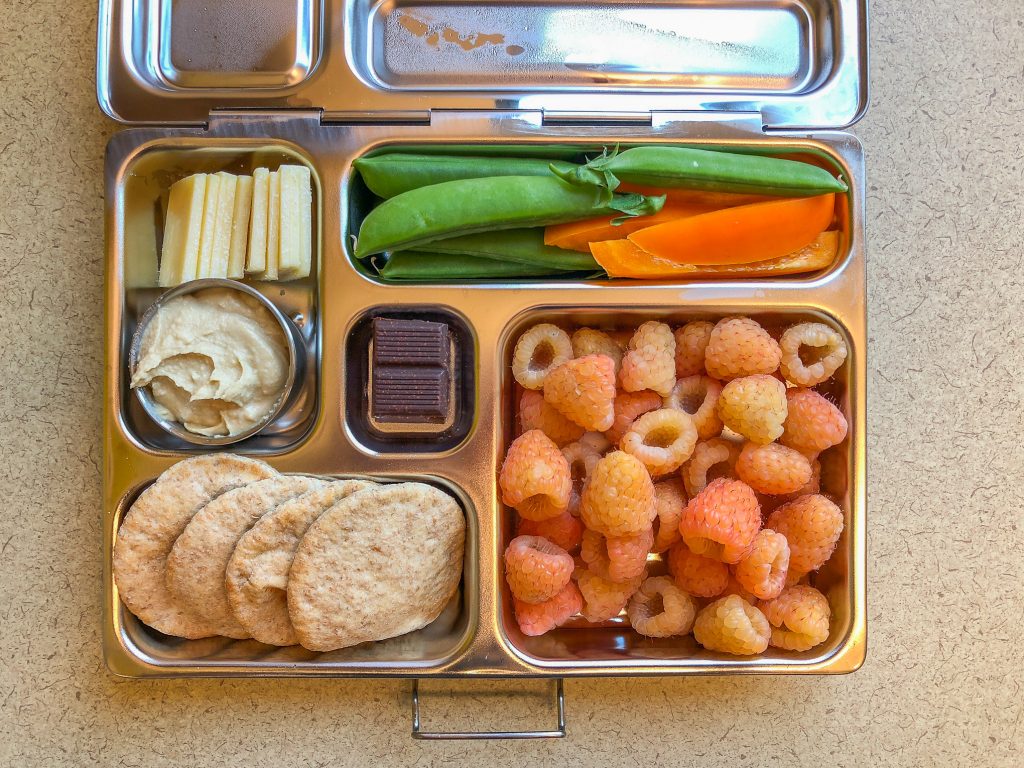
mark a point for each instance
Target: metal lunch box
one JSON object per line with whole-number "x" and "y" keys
{"x": 321, "y": 82}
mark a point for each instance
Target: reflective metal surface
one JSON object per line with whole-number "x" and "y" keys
{"x": 479, "y": 639}
{"x": 799, "y": 63}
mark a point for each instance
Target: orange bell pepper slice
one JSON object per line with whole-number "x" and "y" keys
{"x": 622, "y": 258}
{"x": 578, "y": 235}
{"x": 740, "y": 235}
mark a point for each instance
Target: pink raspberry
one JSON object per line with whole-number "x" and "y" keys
{"x": 799, "y": 618}
{"x": 650, "y": 361}
{"x": 732, "y": 625}
{"x": 629, "y": 406}
{"x": 721, "y": 521}
{"x": 711, "y": 460}
{"x": 698, "y": 396}
{"x": 537, "y": 618}
{"x": 536, "y": 413}
{"x": 587, "y": 341}
{"x": 583, "y": 390}
{"x": 536, "y": 569}
{"x": 812, "y": 526}
{"x": 618, "y": 500}
{"x": 661, "y": 439}
{"x": 812, "y": 423}
{"x": 773, "y": 469}
{"x": 811, "y": 353}
{"x": 691, "y": 342}
{"x": 619, "y": 558}
{"x": 535, "y": 477}
{"x": 740, "y": 347}
{"x": 695, "y": 574}
{"x": 669, "y": 501}
{"x": 539, "y": 351}
{"x": 564, "y": 530}
{"x": 604, "y": 599}
{"x": 661, "y": 609}
{"x": 755, "y": 407}
{"x": 764, "y": 568}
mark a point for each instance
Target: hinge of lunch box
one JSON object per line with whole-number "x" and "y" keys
{"x": 222, "y": 117}
{"x": 659, "y": 119}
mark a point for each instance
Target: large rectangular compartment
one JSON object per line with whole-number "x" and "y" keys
{"x": 327, "y": 81}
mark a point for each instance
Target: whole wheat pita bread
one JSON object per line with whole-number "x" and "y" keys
{"x": 155, "y": 521}
{"x": 380, "y": 563}
{"x": 199, "y": 558}
{"x": 257, "y": 574}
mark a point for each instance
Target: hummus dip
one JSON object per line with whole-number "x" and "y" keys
{"x": 214, "y": 360}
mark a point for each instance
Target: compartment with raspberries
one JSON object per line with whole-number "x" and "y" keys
{"x": 678, "y": 485}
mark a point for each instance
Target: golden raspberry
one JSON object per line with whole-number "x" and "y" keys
{"x": 669, "y": 502}
{"x": 698, "y": 397}
{"x": 582, "y": 456}
{"x": 773, "y": 469}
{"x": 732, "y": 625}
{"x": 812, "y": 423}
{"x": 711, "y": 460}
{"x": 755, "y": 407}
{"x": 535, "y": 477}
{"x": 564, "y": 530}
{"x": 629, "y": 406}
{"x": 536, "y": 569}
{"x": 618, "y": 558}
{"x": 811, "y": 353}
{"x": 537, "y": 413}
{"x": 650, "y": 361}
{"x": 799, "y": 618}
{"x": 691, "y": 342}
{"x": 812, "y": 526}
{"x": 537, "y": 618}
{"x": 583, "y": 390}
{"x": 721, "y": 521}
{"x": 540, "y": 350}
{"x": 604, "y": 599}
{"x": 740, "y": 347}
{"x": 660, "y": 609}
{"x": 662, "y": 440}
{"x": 587, "y": 341}
{"x": 695, "y": 574}
{"x": 618, "y": 500}
{"x": 763, "y": 570}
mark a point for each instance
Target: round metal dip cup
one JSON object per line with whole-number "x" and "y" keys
{"x": 292, "y": 339}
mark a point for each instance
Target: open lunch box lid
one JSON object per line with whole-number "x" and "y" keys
{"x": 800, "y": 64}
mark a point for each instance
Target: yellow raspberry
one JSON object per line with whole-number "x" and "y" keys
{"x": 763, "y": 569}
{"x": 587, "y": 341}
{"x": 669, "y": 502}
{"x": 691, "y": 343}
{"x": 711, "y": 460}
{"x": 698, "y": 397}
{"x": 535, "y": 477}
{"x": 773, "y": 469}
{"x": 661, "y": 609}
{"x": 812, "y": 526}
{"x": 537, "y": 413}
{"x": 740, "y": 347}
{"x": 662, "y": 440}
{"x": 799, "y": 618}
{"x": 721, "y": 521}
{"x": 618, "y": 500}
{"x": 811, "y": 353}
{"x": 539, "y": 351}
{"x": 755, "y": 407}
{"x": 732, "y": 625}
{"x": 650, "y": 361}
{"x": 583, "y": 390}
{"x": 604, "y": 599}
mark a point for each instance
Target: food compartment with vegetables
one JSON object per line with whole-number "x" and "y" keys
{"x": 241, "y": 211}
{"x": 676, "y": 487}
{"x": 663, "y": 212}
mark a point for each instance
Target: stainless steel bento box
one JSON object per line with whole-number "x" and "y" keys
{"x": 324, "y": 82}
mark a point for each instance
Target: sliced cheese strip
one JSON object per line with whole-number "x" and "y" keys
{"x": 240, "y": 227}
{"x": 222, "y": 226}
{"x": 183, "y": 223}
{"x": 295, "y": 235}
{"x": 273, "y": 227}
{"x": 209, "y": 226}
{"x": 256, "y": 262}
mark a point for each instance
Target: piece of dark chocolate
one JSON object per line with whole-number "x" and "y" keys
{"x": 411, "y": 378}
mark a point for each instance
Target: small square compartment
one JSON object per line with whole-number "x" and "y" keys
{"x": 143, "y": 188}
{"x": 133, "y": 649}
{"x": 355, "y": 407}
{"x": 231, "y": 44}
{"x": 613, "y": 643}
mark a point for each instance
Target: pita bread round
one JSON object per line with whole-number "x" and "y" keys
{"x": 383, "y": 562}
{"x": 257, "y": 573}
{"x": 155, "y": 521}
{"x": 199, "y": 558}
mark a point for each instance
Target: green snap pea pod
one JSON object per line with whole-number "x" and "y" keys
{"x": 689, "y": 168}
{"x": 466, "y": 206}
{"x": 523, "y": 246}
{"x": 392, "y": 174}
{"x": 416, "y": 265}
